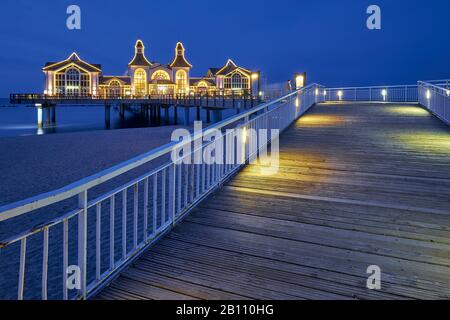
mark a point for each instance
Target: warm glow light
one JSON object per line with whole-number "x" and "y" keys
{"x": 448, "y": 92}
{"x": 244, "y": 135}
{"x": 45, "y": 92}
{"x": 128, "y": 93}
{"x": 317, "y": 92}
{"x": 428, "y": 94}
{"x": 384, "y": 94}
{"x": 297, "y": 103}
{"x": 260, "y": 93}
{"x": 340, "y": 93}
{"x": 299, "y": 81}
{"x": 254, "y": 76}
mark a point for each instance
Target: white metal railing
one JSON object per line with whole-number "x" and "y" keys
{"x": 101, "y": 232}
{"x": 397, "y": 93}
{"x": 435, "y": 97}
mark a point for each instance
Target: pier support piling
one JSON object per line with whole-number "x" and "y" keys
{"x": 208, "y": 115}
{"x": 166, "y": 115}
{"x": 53, "y": 114}
{"x": 39, "y": 116}
{"x": 47, "y": 115}
{"x": 186, "y": 116}
{"x": 107, "y": 116}
{"x": 217, "y": 116}
{"x": 175, "y": 115}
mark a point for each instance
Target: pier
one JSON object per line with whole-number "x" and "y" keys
{"x": 151, "y": 107}
{"x": 363, "y": 179}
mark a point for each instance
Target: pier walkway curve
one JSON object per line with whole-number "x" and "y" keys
{"x": 359, "y": 184}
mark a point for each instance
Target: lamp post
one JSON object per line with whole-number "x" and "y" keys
{"x": 300, "y": 80}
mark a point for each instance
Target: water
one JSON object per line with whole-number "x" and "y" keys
{"x": 21, "y": 120}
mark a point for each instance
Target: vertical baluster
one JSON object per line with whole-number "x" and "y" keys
{"x": 191, "y": 183}
{"x": 208, "y": 173}
{"x": 178, "y": 196}
{"x": 124, "y": 223}
{"x": 82, "y": 242}
{"x": 145, "y": 208}
{"x": 172, "y": 192}
{"x": 111, "y": 232}
{"x": 65, "y": 256}
{"x": 23, "y": 253}
{"x": 135, "y": 214}
{"x": 186, "y": 184}
{"x": 197, "y": 180}
{"x": 203, "y": 177}
{"x": 45, "y": 264}
{"x": 155, "y": 202}
{"x": 97, "y": 240}
{"x": 163, "y": 198}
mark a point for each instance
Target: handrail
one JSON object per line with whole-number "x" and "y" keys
{"x": 372, "y": 87}
{"x": 141, "y": 209}
{"x": 20, "y": 207}
{"x": 436, "y": 99}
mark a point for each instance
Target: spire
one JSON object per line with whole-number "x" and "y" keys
{"x": 139, "y": 55}
{"x": 180, "y": 61}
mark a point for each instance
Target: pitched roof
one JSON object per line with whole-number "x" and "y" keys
{"x": 72, "y": 59}
{"x": 123, "y": 79}
{"x": 180, "y": 61}
{"x": 139, "y": 58}
{"x": 212, "y": 71}
{"x": 229, "y": 67}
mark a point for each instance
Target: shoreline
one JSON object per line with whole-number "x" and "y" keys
{"x": 32, "y": 165}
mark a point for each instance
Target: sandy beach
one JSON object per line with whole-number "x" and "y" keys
{"x": 36, "y": 164}
{"x": 33, "y": 165}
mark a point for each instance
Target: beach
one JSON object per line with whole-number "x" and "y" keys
{"x": 32, "y": 165}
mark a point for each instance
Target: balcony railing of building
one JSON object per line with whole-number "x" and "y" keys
{"x": 103, "y": 222}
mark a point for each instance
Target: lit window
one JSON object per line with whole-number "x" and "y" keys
{"x": 140, "y": 82}
{"x": 181, "y": 77}
{"x": 160, "y": 75}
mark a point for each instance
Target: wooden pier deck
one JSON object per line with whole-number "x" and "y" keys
{"x": 358, "y": 185}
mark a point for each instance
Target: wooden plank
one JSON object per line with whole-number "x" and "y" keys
{"x": 358, "y": 184}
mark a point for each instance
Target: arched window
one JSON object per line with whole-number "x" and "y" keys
{"x": 160, "y": 75}
{"x": 202, "y": 87}
{"x": 181, "y": 78}
{"x": 72, "y": 82}
{"x": 140, "y": 82}
{"x": 114, "y": 89}
{"x": 236, "y": 81}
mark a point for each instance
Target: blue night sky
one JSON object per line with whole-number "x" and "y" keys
{"x": 328, "y": 39}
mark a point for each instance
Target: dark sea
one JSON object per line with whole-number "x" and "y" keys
{"x": 21, "y": 120}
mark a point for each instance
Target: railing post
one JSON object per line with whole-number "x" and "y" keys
{"x": 82, "y": 242}
{"x": 172, "y": 192}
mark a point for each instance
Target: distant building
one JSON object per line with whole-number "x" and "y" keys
{"x": 74, "y": 76}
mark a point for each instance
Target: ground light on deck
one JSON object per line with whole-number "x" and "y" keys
{"x": 318, "y": 120}
{"x": 409, "y": 111}
{"x": 425, "y": 141}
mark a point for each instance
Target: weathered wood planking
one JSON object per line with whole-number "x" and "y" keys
{"x": 357, "y": 185}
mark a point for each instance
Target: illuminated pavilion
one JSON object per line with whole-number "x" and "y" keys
{"x": 74, "y": 76}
